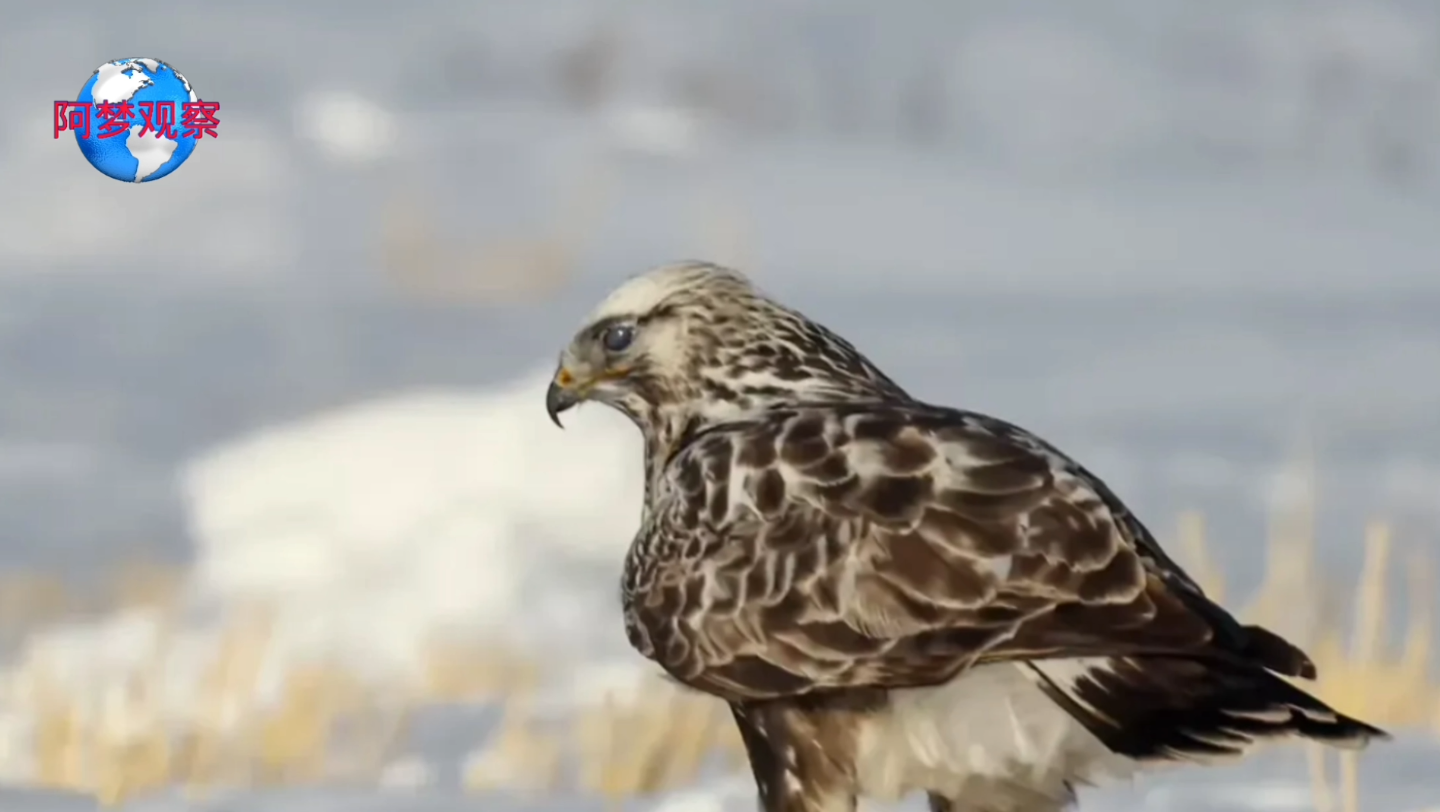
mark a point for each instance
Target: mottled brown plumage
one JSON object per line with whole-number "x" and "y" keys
{"x": 848, "y": 566}
{"x": 852, "y": 545}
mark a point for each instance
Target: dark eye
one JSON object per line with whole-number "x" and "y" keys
{"x": 618, "y": 337}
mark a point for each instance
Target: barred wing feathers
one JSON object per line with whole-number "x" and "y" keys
{"x": 881, "y": 545}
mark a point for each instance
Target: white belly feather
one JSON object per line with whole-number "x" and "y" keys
{"x": 989, "y": 739}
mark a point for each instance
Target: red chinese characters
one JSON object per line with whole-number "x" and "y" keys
{"x": 113, "y": 118}
{"x": 199, "y": 119}
{"x": 158, "y": 118}
{"x": 72, "y": 117}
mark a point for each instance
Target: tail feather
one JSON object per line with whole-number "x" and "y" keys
{"x": 1166, "y": 708}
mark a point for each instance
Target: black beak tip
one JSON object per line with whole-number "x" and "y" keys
{"x": 557, "y": 400}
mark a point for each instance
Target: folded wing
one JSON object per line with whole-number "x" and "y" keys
{"x": 895, "y": 545}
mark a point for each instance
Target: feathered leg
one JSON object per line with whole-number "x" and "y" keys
{"x": 789, "y": 759}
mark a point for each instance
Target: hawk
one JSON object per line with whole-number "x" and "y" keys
{"x": 895, "y": 596}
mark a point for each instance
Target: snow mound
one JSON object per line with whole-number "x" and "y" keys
{"x": 371, "y": 527}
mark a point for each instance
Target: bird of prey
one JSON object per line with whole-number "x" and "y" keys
{"x": 895, "y": 596}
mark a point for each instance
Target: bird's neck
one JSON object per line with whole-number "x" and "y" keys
{"x": 666, "y": 432}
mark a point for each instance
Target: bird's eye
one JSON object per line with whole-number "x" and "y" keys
{"x": 618, "y": 337}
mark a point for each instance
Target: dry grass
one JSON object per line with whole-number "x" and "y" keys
{"x": 322, "y": 722}
{"x": 1361, "y": 673}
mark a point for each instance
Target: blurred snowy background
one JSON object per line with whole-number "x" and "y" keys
{"x": 1194, "y": 244}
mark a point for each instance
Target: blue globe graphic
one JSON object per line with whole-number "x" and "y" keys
{"x": 154, "y": 91}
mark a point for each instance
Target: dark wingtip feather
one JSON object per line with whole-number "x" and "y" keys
{"x": 1167, "y": 708}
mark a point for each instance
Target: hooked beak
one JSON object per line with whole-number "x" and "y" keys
{"x": 566, "y": 391}
{"x": 569, "y": 389}
{"x": 561, "y": 396}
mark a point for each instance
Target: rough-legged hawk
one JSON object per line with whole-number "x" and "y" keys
{"x": 895, "y": 596}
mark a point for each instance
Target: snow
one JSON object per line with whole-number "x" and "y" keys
{"x": 436, "y": 510}
{"x": 366, "y": 532}
{"x": 367, "y": 536}
{"x": 1273, "y": 782}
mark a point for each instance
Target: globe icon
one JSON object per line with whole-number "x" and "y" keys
{"x": 136, "y": 130}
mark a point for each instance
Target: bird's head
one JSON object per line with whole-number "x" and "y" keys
{"x": 695, "y": 343}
